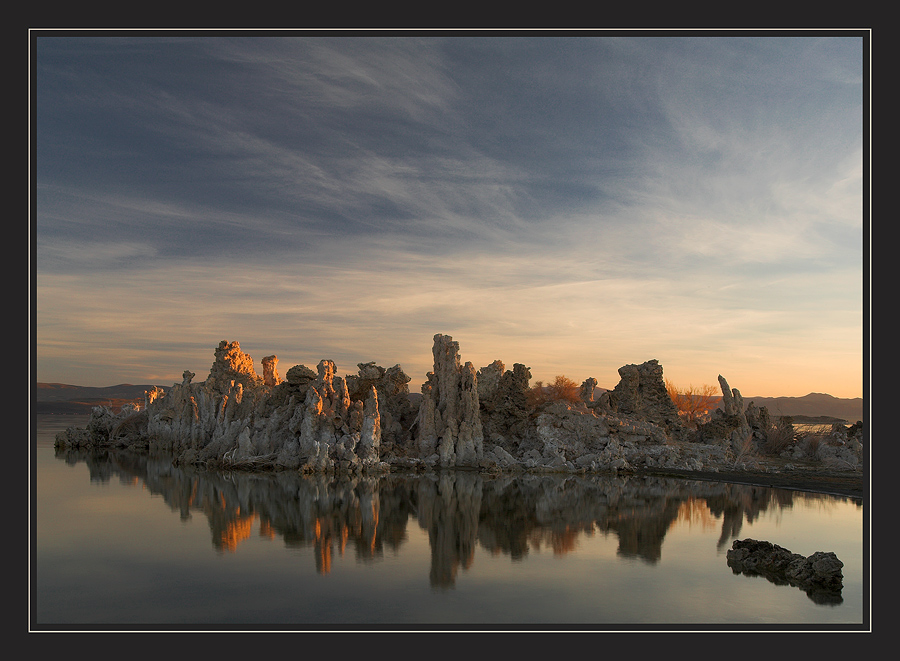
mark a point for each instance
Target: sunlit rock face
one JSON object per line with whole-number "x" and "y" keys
{"x": 151, "y": 396}
{"x": 270, "y": 371}
{"x": 315, "y": 420}
{"x": 587, "y": 390}
{"x": 232, "y": 365}
{"x": 237, "y": 418}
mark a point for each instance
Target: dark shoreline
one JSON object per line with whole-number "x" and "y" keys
{"x": 836, "y": 483}
{"x": 799, "y": 477}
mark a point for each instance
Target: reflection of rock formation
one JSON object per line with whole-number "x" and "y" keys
{"x": 641, "y": 535}
{"x": 459, "y": 510}
{"x": 449, "y": 509}
{"x": 746, "y": 502}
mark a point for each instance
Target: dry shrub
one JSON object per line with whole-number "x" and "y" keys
{"x": 748, "y": 447}
{"x": 694, "y": 403}
{"x": 746, "y": 454}
{"x": 131, "y": 426}
{"x": 535, "y": 395}
{"x": 812, "y": 444}
{"x": 779, "y": 437}
{"x": 837, "y": 463}
{"x": 562, "y": 389}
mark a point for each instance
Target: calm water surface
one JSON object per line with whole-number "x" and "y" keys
{"x": 129, "y": 541}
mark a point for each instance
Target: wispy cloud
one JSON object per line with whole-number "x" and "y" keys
{"x": 574, "y": 204}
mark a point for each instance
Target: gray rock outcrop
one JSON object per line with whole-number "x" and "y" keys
{"x": 728, "y": 425}
{"x": 317, "y": 421}
{"x": 587, "y": 390}
{"x": 504, "y": 404}
{"x": 237, "y": 418}
{"x": 450, "y": 416}
{"x": 641, "y": 394}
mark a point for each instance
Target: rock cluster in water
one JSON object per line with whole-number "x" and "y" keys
{"x": 819, "y": 575}
{"x": 467, "y": 418}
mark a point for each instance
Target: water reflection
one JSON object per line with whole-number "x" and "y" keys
{"x": 511, "y": 515}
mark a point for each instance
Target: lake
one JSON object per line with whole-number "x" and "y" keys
{"x": 130, "y": 542}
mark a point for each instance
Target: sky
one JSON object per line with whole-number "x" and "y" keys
{"x": 574, "y": 202}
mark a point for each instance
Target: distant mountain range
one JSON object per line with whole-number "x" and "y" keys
{"x": 813, "y": 405}
{"x": 64, "y": 398}
{"x": 812, "y": 408}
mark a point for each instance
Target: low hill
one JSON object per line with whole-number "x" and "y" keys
{"x": 809, "y": 409}
{"x": 65, "y": 398}
{"x": 813, "y": 405}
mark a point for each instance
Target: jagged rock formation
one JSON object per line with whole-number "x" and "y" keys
{"x": 570, "y": 438}
{"x": 641, "y": 393}
{"x": 729, "y": 424}
{"x": 489, "y": 380}
{"x": 587, "y": 390}
{"x": 317, "y": 421}
{"x": 819, "y": 575}
{"x": 738, "y": 425}
{"x": 270, "y": 371}
{"x": 503, "y": 396}
{"x": 232, "y": 367}
{"x": 450, "y": 417}
{"x": 237, "y": 418}
{"x": 396, "y": 410}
